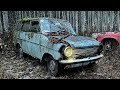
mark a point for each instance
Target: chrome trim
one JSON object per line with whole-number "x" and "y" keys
{"x": 85, "y": 51}
{"x": 80, "y": 60}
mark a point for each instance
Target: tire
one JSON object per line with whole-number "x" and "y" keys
{"x": 109, "y": 46}
{"x": 52, "y": 67}
{"x": 19, "y": 52}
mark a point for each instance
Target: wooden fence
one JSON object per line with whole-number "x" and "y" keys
{"x": 83, "y": 22}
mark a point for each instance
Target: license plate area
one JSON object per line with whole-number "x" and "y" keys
{"x": 76, "y": 65}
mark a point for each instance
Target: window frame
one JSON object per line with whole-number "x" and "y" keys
{"x": 38, "y": 26}
{"x": 27, "y": 30}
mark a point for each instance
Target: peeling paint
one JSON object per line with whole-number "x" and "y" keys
{"x": 30, "y": 35}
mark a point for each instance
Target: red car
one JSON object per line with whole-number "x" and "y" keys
{"x": 109, "y": 40}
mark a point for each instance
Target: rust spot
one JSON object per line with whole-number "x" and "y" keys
{"x": 63, "y": 34}
{"x": 30, "y": 35}
{"x": 56, "y": 40}
{"x": 53, "y": 39}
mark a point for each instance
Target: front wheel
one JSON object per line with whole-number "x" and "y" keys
{"x": 109, "y": 46}
{"x": 52, "y": 66}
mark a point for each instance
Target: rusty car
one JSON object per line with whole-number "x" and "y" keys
{"x": 55, "y": 42}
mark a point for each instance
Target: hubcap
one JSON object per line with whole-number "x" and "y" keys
{"x": 108, "y": 45}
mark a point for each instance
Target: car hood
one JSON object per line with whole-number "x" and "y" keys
{"x": 81, "y": 41}
{"x": 78, "y": 41}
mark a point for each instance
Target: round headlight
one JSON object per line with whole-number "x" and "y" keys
{"x": 68, "y": 51}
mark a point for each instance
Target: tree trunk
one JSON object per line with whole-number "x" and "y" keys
{"x": 2, "y": 25}
{"x": 76, "y": 18}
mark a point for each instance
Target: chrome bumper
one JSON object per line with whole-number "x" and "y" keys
{"x": 80, "y": 60}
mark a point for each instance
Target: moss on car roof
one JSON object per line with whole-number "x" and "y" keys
{"x": 27, "y": 19}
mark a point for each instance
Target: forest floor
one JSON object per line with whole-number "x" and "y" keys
{"x": 28, "y": 68}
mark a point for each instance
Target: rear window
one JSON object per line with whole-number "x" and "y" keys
{"x": 19, "y": 26}
{"x": 35, "y": 26}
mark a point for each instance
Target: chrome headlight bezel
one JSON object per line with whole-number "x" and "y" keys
{"x": 68, "y": 51}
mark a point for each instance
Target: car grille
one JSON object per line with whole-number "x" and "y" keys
{"x": 85, "y": 52}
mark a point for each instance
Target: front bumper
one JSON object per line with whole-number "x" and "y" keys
{"x": 80, "y": 60}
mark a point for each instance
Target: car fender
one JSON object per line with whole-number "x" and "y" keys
{"x": 101, "y": 37}
{"x": 53, "y": 51}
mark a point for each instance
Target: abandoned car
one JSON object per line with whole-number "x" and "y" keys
{"x": 109, "y": 40}
{"x": 55, "y": 42}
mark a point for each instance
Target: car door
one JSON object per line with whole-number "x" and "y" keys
{"x": 33, "y": 38}
{"x": 23, "y": 34}
{"x": 45, "y": 44}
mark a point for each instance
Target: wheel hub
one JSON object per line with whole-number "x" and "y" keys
{"x": 108, "y": 46}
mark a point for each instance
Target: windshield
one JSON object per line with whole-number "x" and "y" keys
{"x": 53, "y": 25}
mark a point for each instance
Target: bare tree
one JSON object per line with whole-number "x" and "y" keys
{"x": 2, "y": 22}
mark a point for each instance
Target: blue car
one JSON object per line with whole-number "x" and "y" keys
{"x": 55, "y": 42}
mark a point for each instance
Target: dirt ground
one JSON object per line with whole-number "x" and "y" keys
{"x": 29, "y": 68}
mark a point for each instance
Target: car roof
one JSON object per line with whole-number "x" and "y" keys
{"x": 32, "y": 19}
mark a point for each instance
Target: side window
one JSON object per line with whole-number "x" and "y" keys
{"x": 35, "y": 26}
{"x": 26, "y": 27}
{"x": 19, "y": 26}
